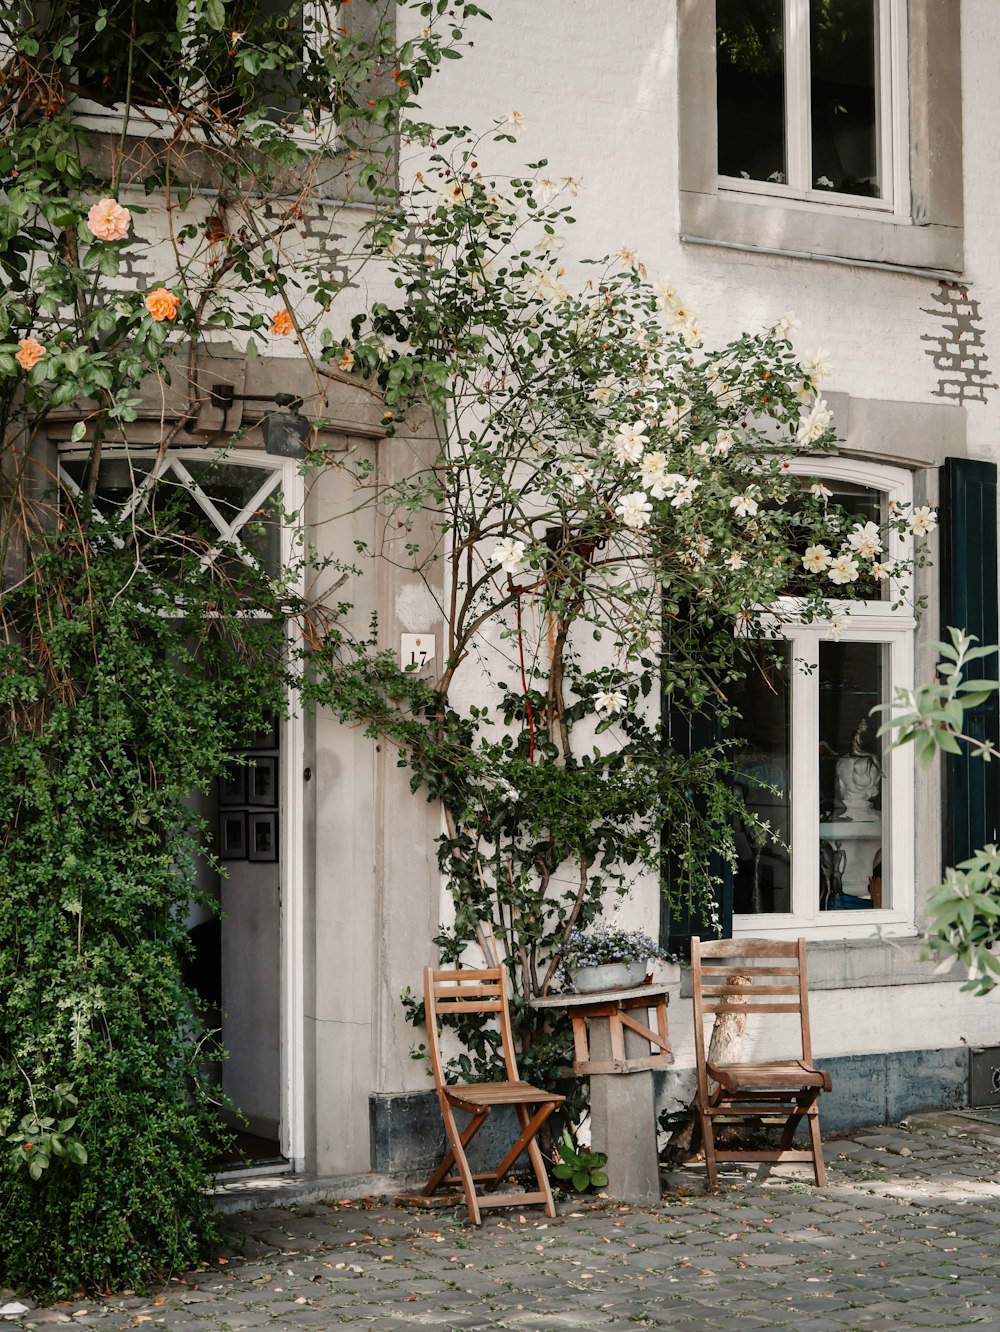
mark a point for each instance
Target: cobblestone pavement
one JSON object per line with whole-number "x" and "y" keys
{"x": 905, "y": 1236}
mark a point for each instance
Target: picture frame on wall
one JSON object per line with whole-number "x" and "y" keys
{"x": 232, "y": 835}
{"x": 233, "y": 784}
{"x": 262, "y": 785}
{"x": 262, "y": 836}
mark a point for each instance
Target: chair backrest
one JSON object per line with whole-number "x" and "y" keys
{"x": 745, "y": 977}
{"x": 466, "y": 990}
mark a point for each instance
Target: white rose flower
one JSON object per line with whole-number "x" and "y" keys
{"x": 816, "y": 364}
{"x": 865, "y": 539}
{"x": 724, "y": 441}
{"x": 745, "y": 505}
{"x": 628, "y": 445}
{"x": 820, "y": 491}
{"x": 545, "y": 190}
{"x": 843, "y": 569}
{"x": 634, "y": 510}
{"x": 881, "y": 570}
{"x": 674, "y": 413}
{"x": 814, "y": 422}
{"x": 816, "y": 559}
{"x": 666, "y": 294}
{"x": 922, "y": 521}
{"x": 836, "y": 627}
{"x": 605, "y": 390}
{"x": 653, "y": 473}
{"x": 513, "y": 122}
{"x": 508, "y": 555}
{"x": 609, "y": 700}
{"x": 685, "y": 492}
{"x": 788, "y": 323}
{"x": 735, "y": 560}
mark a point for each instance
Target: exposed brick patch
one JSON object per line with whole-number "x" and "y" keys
{"x": 958, "y": 351}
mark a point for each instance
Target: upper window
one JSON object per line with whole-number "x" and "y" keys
{"x": 809, "y": 98}
{"x": 823, "y": 129}
{"x": 131, "y": 61}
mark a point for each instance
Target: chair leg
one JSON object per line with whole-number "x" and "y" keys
{"x": 537, "y": 1159}
{"x": 529, "y": 1127}
{"x": 448, "y": 1160}
{"x": 457, "y": 1152}
{"x": 819, "y": 1165}
{"x": 708, "y": 1134}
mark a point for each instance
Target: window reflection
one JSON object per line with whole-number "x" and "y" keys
{"x": 852, "y": 776}
{"x": 842, "y": 50}
{"x": 751, "y": 89}
{"x": 762, "y": 881}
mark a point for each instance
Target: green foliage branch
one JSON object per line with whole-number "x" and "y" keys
{"x": 962, "y": 923}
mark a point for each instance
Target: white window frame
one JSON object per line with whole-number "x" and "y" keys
{"x": 867, "y": 622}
{"x": 891, "y": 130}
{"x": 156, "y": 122}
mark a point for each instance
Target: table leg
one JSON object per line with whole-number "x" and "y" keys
{"x": 623, "y": 1121}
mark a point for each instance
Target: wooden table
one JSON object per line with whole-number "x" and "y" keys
{"x": 611, "y": 1046}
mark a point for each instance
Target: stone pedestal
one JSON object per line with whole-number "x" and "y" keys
{"x": 612, "y": 1046}
{"x": 860, "y": 841}
{"x": 623, "y": 1121}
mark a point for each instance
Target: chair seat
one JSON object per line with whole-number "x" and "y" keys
{"x": 794, "y": 1075}
{"x": 480, "y": 1094}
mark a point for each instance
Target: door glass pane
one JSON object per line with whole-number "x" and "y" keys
{"x": 844, "y": 65}
{"x": 750, "y": 66}
{"x": 762, "y": 877}
{"x": 231, "y": 487}
{"x": 853, "y": 776}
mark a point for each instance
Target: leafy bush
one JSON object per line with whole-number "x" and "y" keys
{"x": 114, "y": 706}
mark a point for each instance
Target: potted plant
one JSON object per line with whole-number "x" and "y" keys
{"x": 605, "y": 957}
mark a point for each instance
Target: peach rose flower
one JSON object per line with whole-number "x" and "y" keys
{"x": 162, "y": 304}
{"x": 30, "y": 354}
{"x": 108, "y": 220}
{"x": 281, "y": 324}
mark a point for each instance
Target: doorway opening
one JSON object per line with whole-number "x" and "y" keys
{"x": 241, "y": 967}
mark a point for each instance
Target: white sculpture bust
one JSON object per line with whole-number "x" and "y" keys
{"x": 859, "y": 779}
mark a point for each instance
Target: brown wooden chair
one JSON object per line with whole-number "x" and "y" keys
{"x": 485, "y": 991}
{"x": 734, "y": 979}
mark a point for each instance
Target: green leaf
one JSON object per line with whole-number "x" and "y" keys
{"x": 215, "y": 14}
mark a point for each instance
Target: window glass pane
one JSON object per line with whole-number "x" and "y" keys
{"x": 751, "y": 89}
{"x": 762, "y": 876}
{"x": 170, "y": 67}
{"x": 843, "y": 61}
{"x": 861, "y": 504}
{"x": 101, "y": 64}
{"x": 852, "y": 776}
{"x": 231, "y": 487}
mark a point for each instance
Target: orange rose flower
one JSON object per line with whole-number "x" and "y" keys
{"x": 281, "y": 324}
{"x": 162, "y": 304}
{"x": 108, "y": 220}
{"x": 30, "y": 354}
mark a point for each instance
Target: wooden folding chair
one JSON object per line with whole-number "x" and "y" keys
{"x": 734, "y": 979}
{"x": 485, "y": 991}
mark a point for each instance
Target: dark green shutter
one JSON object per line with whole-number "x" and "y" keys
{"x": 969, "y": 602}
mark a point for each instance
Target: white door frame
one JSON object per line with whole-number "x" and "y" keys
{"x": 291, "y": 824}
